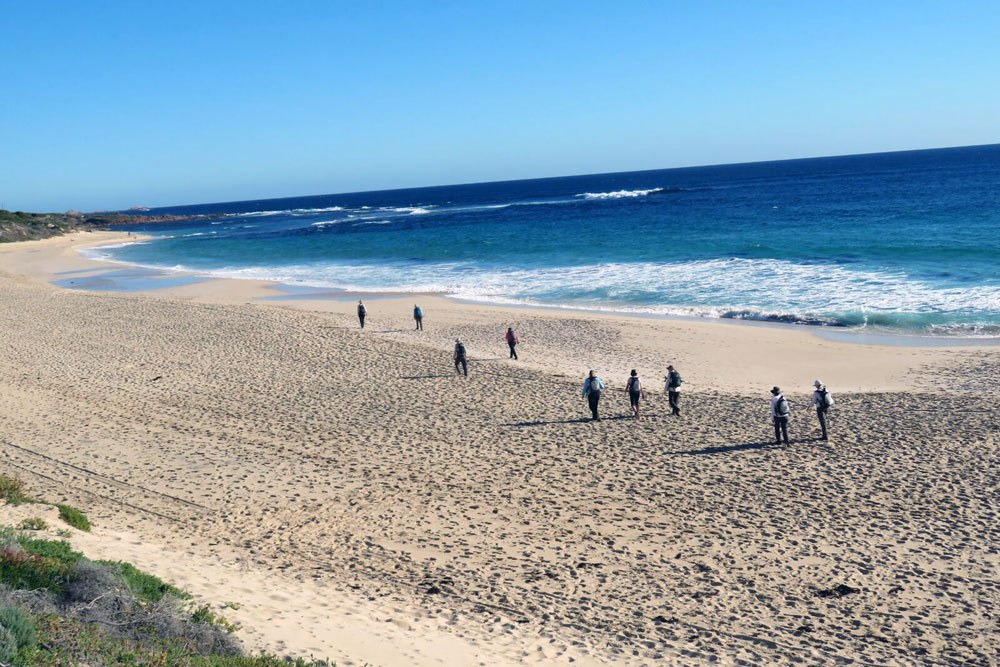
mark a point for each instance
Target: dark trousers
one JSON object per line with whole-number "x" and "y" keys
{"x": 593, "y": 398}
{"x": 821, "y": 414}
{"x": 464, "y": 363}
{"x": 513, "y": 352}
{"x": 674, "y": 397}
{"x": 361, "y": 318}
{"x": 420, "y": 323}
{"x": 780, "y": 429}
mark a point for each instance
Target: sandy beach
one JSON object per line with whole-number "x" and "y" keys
{"x": 343, "y": 494}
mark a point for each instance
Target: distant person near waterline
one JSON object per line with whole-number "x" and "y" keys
{"x": 461, "y": 357}
{"x": 779, "y": 416}
{"x": 673, "y": 388}
{"x": 512, "y": 342}
{"x": 635, "y": 391}
{"x": 418, "y": 317}
{"x": 592, "y": 387}
{"x": 823, "y": 402}
{"x": 362, "y": 313}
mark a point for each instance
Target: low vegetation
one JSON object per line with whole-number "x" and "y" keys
{"x": 12, "y": 491}
{"x": 58, "y": 607}
{"x": 74, "y": 517}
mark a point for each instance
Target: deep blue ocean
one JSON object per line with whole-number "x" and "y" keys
{"x": 898, "y": 242}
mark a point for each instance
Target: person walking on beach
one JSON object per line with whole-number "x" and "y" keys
{"x": 635, "y": 391}
{"x": 592, "y": 387}
{"x": 673, "y": 387}
{"x": 512, "y": 342}
{"x": 779, "y": 416}
{"x": 461, "y": 358}
{"x": 362, "y": 313}
{"x": 418, "y": 317}
{"x": 823, "y": 401}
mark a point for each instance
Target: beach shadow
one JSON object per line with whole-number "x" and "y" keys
{"x": 747, "y": 446}
{"x": 426, "y": 377}
{"x": 581, "y": 420}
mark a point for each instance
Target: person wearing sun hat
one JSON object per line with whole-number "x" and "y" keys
{"x": 822, "y": 400}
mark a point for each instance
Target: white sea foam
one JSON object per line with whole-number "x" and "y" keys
{"x": 324, "y": 223}
{"x": 619, "y": 194}
{"x": 412, "y": 210}
{"x": 372, "y": 222}
{"x": 764, "y": 289}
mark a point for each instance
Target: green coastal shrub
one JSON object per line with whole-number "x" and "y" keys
{"x": 8, "y": 646}
{"x": 74, "y": 517}
{"x": 18, "y": 623}
{"x": 145, "y": 587}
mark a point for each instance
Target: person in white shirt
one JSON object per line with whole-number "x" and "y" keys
{"x": 779, "y": 416}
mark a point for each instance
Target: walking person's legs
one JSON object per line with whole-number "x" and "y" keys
{"x": 361, "y": 318}
{"x": 465, "y": 366}
{"x": 592, "y": 399}
{"x": 674, "y": 398}
{"x": 783, "y": 421}
{"x": 821, "y": 414}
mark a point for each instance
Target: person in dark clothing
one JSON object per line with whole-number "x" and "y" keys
{"x": 461, "y": 358}
{"x": 512, "y": 342}
{"x": 779, "y": 416}
{"x": 673, "y": 382}
{"x": 635, "y": 391}
{"x": 362, "y": 313}
{"x": 822, "y": 401}
{"x": 418, "y": 316}
{"x": 592, "y": 387}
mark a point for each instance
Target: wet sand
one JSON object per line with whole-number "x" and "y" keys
{"x": 360, "y": 501}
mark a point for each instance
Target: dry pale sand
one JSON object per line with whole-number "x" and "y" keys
{"x": 357, "y": 500}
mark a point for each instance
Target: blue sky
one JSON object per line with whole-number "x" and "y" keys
{"x": 114, "y": 104}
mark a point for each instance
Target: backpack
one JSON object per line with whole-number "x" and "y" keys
{"x": 781, "y": 408}
{"x": 826, "y": 400}
{"x": 460, "y": 350}
{"x": 634, "y": 385}
{"x": 417, "y": 313}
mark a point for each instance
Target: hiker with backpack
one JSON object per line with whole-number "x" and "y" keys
{"x": 635, "y": 391}
{"x": 673, "y": 388}
{"x": 461, "y": 357}
{"x": 779, "y": 416}
{"x": 512, "y": 341}
{"x": 362, "y": 313}
{"x": 592, "y": 387}
{"x": 418, "y": 316}
{"x": 823, "y": 402}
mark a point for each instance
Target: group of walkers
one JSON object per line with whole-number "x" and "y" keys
{"x": 822, "y": 400}
{"x": 593, "y": 386}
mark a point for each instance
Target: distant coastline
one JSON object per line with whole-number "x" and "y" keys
{"x": 22, "y": 226}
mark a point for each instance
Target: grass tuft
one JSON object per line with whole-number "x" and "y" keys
{"x": 33, "y": 523}
{"x": 74, "y": 517}
{"x": 12, "y": 491}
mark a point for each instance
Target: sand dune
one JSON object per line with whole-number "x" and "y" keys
{"x": 361, "y": 501}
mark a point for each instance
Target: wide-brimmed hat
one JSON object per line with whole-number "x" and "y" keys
{"x": 817, "y": 383}
{"x": 775, "y": 391}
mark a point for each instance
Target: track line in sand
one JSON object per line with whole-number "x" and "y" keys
{"x": 33, "y": 463}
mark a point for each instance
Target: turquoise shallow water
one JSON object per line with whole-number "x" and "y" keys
{"x": 896, "y": 242}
